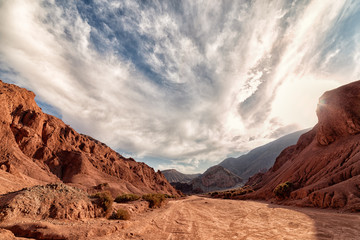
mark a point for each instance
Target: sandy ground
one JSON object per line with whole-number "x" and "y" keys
{"x": 204, "y": 218}
{"x": 201, "y": 218}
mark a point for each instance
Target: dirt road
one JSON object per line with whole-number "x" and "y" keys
{"x": 203, "y": 218}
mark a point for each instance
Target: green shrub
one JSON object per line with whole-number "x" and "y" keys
{"x": 126, "y": 198}
{"x": 283, "y": 190}
{"x": 121, "y": 214}
{"x": 104, "y": 200}
{"x": 155, "y": 199}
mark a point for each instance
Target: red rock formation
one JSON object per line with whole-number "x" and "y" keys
{"x": 39, "y": 148}
{"x": 324, "y": 165}
{"x": 56, "y": 201}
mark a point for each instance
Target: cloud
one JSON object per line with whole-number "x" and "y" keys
{"x": 180, "y": 83}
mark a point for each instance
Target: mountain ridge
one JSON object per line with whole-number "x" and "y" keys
{"x": 38, "y": 148}
{"x": 172, "y": 175}
{"x": 261, "y": 158}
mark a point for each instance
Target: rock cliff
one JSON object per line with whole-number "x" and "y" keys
{"x": 37, "y": 148}
{"x": 324, "y": 165}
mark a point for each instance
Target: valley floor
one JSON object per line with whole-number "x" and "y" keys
{"x": 199, "y": 218}
{"x": 203, "y": 218}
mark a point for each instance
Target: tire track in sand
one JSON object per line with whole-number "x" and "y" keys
{"x": 203, "y": 218}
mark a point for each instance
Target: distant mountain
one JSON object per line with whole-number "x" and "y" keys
{"x": 173, "y": 175}
{"x": 261, "y": 158}
{"x": 232, "y": 171}
{"x": 323, "y": 168}
{"x": 215, "y": 178}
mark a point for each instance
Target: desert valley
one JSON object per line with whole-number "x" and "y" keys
{"x": 179, "y": 119}
{"x": 71, "y": 181}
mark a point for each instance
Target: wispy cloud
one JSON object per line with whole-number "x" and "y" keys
{"x": 181, "y": 83}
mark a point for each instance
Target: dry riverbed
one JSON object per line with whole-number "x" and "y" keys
{"x": 199, "y": 218}
{"x": 203, "y": 218}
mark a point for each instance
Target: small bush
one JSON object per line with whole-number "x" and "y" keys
{"x": 127, "y": 198}
{"x": 213, "y": 194}
{"x": 121, "y": 214}
{"x": 243, "y": 191}
{"x": 169, "y": 196}
{"x": 227, "y": 195}
{"x": 155, "y": 199}
{"x": 105, "y": 201}
{"x": 283, "y": 190}
{"x": 232, "y": 194}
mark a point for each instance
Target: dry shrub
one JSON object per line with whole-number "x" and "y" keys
{"x": 104, "y": 200}
{"x": 214, "y": 194}
{"x": 121, "y": 214}
{"x": 283, "y": 190}
{"x": 227, "y": 195}
{"x": 124, "y": 198}
{"x": 232, "y": 194}
{"x": 155, "y": 199}
{"x": 169, "y": 196}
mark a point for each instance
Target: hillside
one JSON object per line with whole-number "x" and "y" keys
{"x": 324, "y": 166}
{"x": 37, "y": 148}
{"x": 173, "y": 175}
{"x": 261, "y": 158}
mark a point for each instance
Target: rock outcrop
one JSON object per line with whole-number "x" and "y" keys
{"x": 324, "y": 165}
{"x": 56, "y": 201}
{"x": 260, "y": 159}
{"x": 6, "y": 234}
{"x": 37, "y": 148}
{"x": 173, "y": 176}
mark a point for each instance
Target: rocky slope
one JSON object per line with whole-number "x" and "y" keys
{"x": 324, "y": 166}
{"x": 56, "y": 201}
{"x": 37, "y": 148}
{"x": 261, "y": 158}
{"x": 215, "y": 178}
{"x": 173, "y": 175}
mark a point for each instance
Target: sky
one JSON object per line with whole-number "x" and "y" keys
{"x": 176, "y": 83}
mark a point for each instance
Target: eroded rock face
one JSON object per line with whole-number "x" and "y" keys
{"x": 6, "y": 234}
{"x": 339, "y": 114}
{"x": 324, "y": 165}
{"x": 57, "y": 201}
{"x": 42, "y": 149}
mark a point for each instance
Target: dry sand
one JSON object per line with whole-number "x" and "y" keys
{"x": 201, "y": 218}
{"x": 204, "y": 218}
